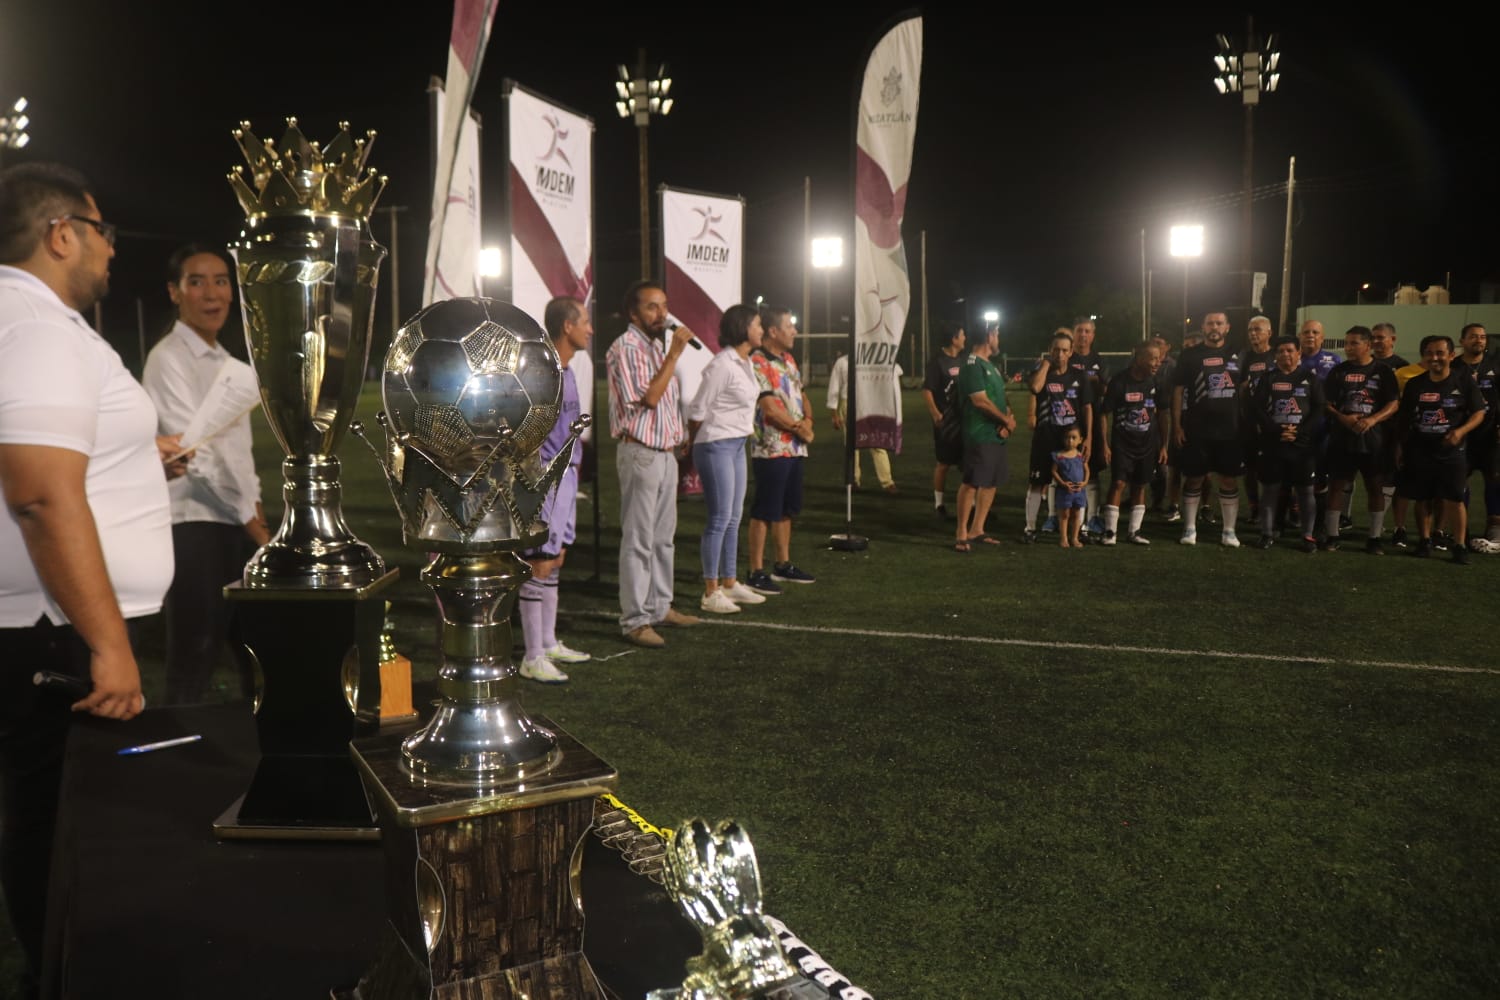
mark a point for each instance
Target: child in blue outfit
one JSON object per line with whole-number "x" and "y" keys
{"x": 1070, "y": 474}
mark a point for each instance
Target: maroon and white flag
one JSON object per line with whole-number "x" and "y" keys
{"x": 885, "y": 134}
{"x": 466, "y": 44}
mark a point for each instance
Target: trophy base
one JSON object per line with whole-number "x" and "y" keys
{"x": 315, "y": 655}
{"x": 337, "y": 564}
{"x": 494, "y": 910}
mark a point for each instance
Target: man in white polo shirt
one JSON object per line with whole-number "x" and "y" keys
{"x": 86, "y": 539}
{"x": 217, "y": 520}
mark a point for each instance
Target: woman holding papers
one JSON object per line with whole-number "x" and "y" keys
{"x": 203, "y": 393}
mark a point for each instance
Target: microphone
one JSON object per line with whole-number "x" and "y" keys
{"x": 695, "y": 343}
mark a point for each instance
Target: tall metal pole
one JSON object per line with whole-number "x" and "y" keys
{"x": 926, "y": 349}
{"x": 645, "y": 208}
{"x": 1286, "y": 246}
{"x": 1246, "y": 235}
{"x": 806, "y": 266}
{"x": 395, "y": 273}
{"x": 1145, "y": 296}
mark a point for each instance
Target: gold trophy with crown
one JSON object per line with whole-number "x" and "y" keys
{"x": 307, "y": 269}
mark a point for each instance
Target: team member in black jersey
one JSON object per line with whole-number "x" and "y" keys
{"x": 1061, "y": 398}
{"x": 1439, "y": 409}
{"x": 1481, "y": 445}
{"x": 1361, "y": 396}
{"x": 1383, "y": 346}
{"x": 1255, "y": 361}
{"x": 1131, "y": 440}
{"x": 1288, "y": 407}
{"x": 947, "y": 442}
{"x": 1087, "y": 361}
{"x": 1206, "y": 426}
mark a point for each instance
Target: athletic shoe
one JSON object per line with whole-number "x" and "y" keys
{"x": 741, "y": 594}
{"x": 645, "y": 636}
{"x": 1174, "y": 514}
{"x": 1442, "y": 541}
{"x": 1345, "y": 522}
{"x": 1460, "y": 556}
{"x": 1229, "y": 539}
{"x": 1330, "y": 544}
{"x": 941, "y": 511}
{"x": 541, "y": 670}
{"x": 1373, "y": 547}
{"x": 1028, "y": 537}
{"x": 788, "y": 573}
{"x": 1049, "y": 526}
{"x": 1108, "y": 539}
{"x": 1309, "y": 544}
{"x": 1484, "y": 545}
{"x": 1266, "y": 541}
{"x": 1398, "y": 538}
{"x": 760, "y": 581}
{"x": 563, "y": 654}
{"x": 677, "y": 618}
{"x": 719, "y": 603}
{"x": 1423, "y": 549}
{"x": 1138, "y": 539}
{"x": 1189, "y": 537}
{"x": 1095, "y": 525}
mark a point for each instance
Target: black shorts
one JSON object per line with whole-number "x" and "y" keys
{"x": 986, "y": 464}
{"x": 1127, "y": 468}
{"x": 1289, "y": 466}
{"x": 1044, "y": 442}
{"x": 948, "y": 446}
{"x": 1423, "y": 477}
{"x": 1221, "y": 457}
{"x": 778, "y": 488}
{"x": 1343, "y": 466}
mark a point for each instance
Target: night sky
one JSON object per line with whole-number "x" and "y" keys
{"x": 1045, "y": 144}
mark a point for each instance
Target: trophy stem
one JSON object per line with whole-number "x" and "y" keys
{"x": 479, "y": 734}
{"x": 313, "y": 548}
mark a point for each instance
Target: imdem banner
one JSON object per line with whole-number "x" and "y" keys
{"x": 885, "y": 133}
{"x": 551, "y": 211}
{"x": 703, "y": 258}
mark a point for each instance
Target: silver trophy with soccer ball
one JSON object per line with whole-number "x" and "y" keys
{"x": 471, "y": 390}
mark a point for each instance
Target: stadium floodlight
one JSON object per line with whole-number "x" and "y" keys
{"x": 641, "y": 98}
{"x": 1186, "y": 242}
{"x": 13, "y": 125}
{"x": 491, "y": 262}
{"x": 992, "y": 317}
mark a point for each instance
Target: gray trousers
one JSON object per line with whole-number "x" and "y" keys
{"x": 648, "y": 522}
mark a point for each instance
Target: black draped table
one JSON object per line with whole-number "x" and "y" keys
{"x": 146, "y": 902}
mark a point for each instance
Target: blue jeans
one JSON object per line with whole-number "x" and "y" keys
{"x": 721, "y": 464}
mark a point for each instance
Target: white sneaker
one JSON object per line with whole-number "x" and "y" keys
{"x": 719, "y": 603}
{"x": 741, "y": 594}
{"x": 541, "y": 670}
{"x": 1484, "y": 545}
{"x": 565, "y": 654}
{"x": 1229, "y": 540}
{"x": 1109, "y": 538}
{"x": 1139, "y": 539}
{"x": 1189, "y": 537}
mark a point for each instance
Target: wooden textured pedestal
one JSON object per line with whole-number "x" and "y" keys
{"x": 483, "y": 883}
{"x": 316, "y": 657}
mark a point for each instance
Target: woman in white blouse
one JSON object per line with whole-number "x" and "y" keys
{"x": 721, "y": 418}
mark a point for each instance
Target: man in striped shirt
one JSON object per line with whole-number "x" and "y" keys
{"x": 645, "y": 417}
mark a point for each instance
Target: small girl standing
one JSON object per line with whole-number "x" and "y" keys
{"x": 1070, "y": 474}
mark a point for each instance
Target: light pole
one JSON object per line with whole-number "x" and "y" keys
{"x": 1249, "y": 74}
{"x": 827, "y": 256}
{"x": 1186, "y": 242}
{"x": 13, "y": 127}
{"x": 1359, "y": 293}
{"x": 639, "y": 98}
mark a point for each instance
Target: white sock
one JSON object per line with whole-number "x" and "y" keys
{"x": 937, "y": 498}
{"x": 549, "y": 612}
{"x": 1111, "y": 518}
{"x": 1091, "y": 498}
{"x": 1052, "y": 503}
{"x": 1190, "y": 502}
{"x": 1229, "y": 507}
{"x": 1137, "y": 518}
{"x": 1331, "y": 522}
{"x": 1377, "y": 522}
{"x": 532, "y": 628}
{"x": 1033, "y": 508}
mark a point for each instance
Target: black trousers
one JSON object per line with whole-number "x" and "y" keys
{"x": 34, "y": 725}
{"x": 206, "y": 556}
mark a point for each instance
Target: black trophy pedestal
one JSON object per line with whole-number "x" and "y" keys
{"x": 316, "y": 658}
{"x": 483, "y": 883}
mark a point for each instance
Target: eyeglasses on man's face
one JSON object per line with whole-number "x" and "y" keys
{"x": 104, "y": 229}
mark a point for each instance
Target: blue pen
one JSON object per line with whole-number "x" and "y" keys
{"x": 148, "y": 747}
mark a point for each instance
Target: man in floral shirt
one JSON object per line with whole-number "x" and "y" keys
{"x": 783, "y": 430}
